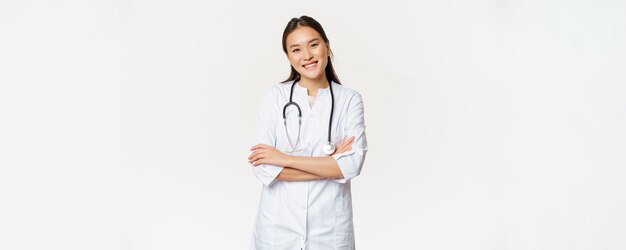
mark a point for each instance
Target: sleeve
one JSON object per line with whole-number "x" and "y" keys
{"x": 351, "y": 162}
{"x": 265, "y": 132}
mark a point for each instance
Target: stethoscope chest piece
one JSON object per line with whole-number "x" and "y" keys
{"x": 328, "y": 148}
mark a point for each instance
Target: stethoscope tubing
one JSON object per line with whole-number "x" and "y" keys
{"x": 291, "y": 102}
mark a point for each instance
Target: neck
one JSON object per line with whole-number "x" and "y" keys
{"x": 312, "y": 85}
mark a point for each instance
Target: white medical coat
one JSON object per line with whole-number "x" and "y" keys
{"x": 308, "y": 214}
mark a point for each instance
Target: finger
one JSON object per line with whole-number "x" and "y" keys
{"x": 256, "y": 152}
{"x": 347, "y": 141}
{"x": 342, "y": 149}
{"x": 346, "y": 144}
{"x": 257, "y": 157}
{"x": 259, "y": 162}
{"x": 253, "y": 157}
{"x": 337, "y": 151}
{"x": 350, "y": 141}
{"x": 259, "y": 151}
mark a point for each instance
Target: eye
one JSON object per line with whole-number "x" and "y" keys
{"x": 295, "y": 51}
{"x": 314, "y": 45}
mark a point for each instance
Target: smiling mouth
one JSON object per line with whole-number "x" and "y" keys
{"x": 310, "y": 65}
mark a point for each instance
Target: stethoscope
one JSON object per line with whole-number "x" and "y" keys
{"x": 328, "y": 148}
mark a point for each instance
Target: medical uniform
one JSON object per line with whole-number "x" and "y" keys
{"x": 313, "y": 214}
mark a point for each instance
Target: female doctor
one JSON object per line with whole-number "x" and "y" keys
{"x": 310, "y": 136}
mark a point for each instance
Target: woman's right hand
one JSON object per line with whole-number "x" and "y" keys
{"x": 345, "y": 145}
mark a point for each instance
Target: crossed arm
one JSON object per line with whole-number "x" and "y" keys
{"x": 300, "y": 168}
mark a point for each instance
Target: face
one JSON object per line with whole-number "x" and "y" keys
{"x": 308, "y": 53}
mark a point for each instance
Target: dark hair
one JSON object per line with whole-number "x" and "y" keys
{"x": 309, "y": 22}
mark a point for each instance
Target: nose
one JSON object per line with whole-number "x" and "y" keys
{"x": 307, "y": 54}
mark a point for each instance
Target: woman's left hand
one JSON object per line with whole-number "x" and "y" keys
{"x": 265, "y": 154}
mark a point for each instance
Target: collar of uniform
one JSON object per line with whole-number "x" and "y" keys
{"x": 320, "y": 91}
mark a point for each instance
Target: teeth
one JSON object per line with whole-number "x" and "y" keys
{"x": 310, "y": 65}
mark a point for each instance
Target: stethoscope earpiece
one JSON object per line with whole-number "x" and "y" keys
{"x": 328, "y": 148}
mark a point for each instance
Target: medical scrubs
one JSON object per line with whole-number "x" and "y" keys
{"x": 313, "y": 214}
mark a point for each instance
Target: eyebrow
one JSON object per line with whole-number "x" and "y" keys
{"x": 310, "y": 41}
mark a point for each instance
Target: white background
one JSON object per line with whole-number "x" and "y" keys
{"x": 492, "y": 124}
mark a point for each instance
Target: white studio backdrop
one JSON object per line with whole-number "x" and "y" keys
{"x": 492, "y": 124}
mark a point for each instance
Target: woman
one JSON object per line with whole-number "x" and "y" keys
{"x": 306, "y": 202}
